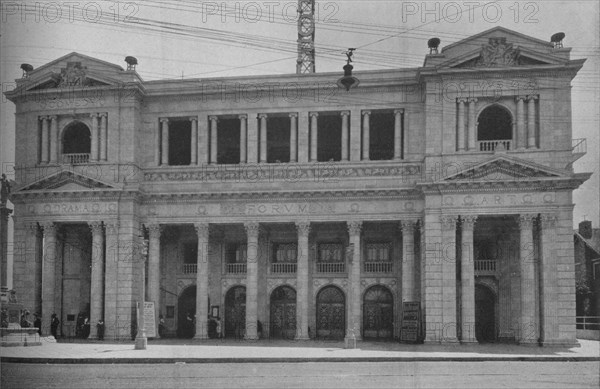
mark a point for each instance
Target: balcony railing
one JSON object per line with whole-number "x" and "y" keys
{"x": 378, "y": 267}
{"x": 283, "y": 267}
{"x": 235, "y": 268}
{"x": 493, "y": 145}
{"x": 75, "y": 159}
{"x": 485, "y": 265}
{"x": 190, "y": 268}
{"x": 331, "y": 267}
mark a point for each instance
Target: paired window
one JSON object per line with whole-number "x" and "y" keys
{"x": 236, "y": 253}
{"x": 378, "y": 252}
{"x": 285, "y": 252}
{"x": 331, "y": 253}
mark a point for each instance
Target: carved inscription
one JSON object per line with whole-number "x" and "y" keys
{"x": 72, "y": 208}
{"x": 498, "y": 200}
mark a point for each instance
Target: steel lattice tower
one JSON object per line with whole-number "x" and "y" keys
{"x": 306, "y": 37}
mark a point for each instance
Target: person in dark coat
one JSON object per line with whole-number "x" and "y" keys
{"x": 37, "y": 323}
{"x": 100, "y": 328}
{"x": 54, "y": 322}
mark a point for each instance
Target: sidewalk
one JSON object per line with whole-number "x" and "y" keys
{"x": 265, "y": 351}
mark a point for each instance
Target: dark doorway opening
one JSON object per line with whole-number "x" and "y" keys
{"x": 228, "y": 141}
{"x": 331, "y": 313}
{"x": 378, "y": 313}
{"x": 485, "y": 314}
{"x": 235, "y": 312}
{"x": 76, "y": 139}
{"x": 186, "y": 311}
{"x": 278, "y": 140}
{"x": 494, "y": 123}
{"x": 329, "y": 138}
{"x": 283, "y": 313}
{"x": 381, "y": 136}
{"x": 180, "y": 142}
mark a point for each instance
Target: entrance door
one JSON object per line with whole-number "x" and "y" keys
{"x": 331, "y": 313}
{"x": 283, "y": 313}
{"x": 485, "y": 314}
{"x": 235, "y": 312}
{"x": 186, "y": 310}
{"x": 378, "y": 313}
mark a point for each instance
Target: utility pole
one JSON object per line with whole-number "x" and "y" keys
{"x": 306, "y": 37}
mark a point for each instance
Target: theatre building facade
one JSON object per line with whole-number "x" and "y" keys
{"x": 290, "y": 208}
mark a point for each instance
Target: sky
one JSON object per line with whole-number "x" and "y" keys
{"x": 197, "y": 39}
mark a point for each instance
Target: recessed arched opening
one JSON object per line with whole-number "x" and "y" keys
{"x": 494, "y": 124}
{"x": 76, "y": 143}
{"x": 331, "y": 313}
{"x": 283, "y": 313}
{"x": 485, "y": 314}
{"x": 235, "y": 312}
{"x": 378, "y": 313}
{"x": 186, "y": 310}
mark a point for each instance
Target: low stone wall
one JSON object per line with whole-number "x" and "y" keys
{"x": 588, "y": 334}
{"x": 19, "y": 337}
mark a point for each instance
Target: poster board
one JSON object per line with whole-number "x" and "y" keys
{"x": 149, "y": 319}
{"x": 411, "y": 322}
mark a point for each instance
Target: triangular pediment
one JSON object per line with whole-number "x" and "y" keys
{"x": 65, "y": 181}
{"x": 504, "y": 168}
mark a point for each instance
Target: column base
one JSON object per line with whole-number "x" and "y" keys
{"x": 528, "y": 342}
{"x": 450, "y": 341}
{"x": 469, "y": 341}
{"x": 200, "y": 337}
{"x": 559, "y": 343}
{"x": 301, "y": 338}
{"x": 141, "y": 343}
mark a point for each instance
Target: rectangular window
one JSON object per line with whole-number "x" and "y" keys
{"x": 381, "y": 136}
{"x": 285, "y": 252}
{"x": 228, "y": 141}
{"x": 329, "y": 137}
{"x": 331, "y": 252}
{"x": 378, "y": 252}
{"x": 278, "y": 139}
{"x": 236, "y": 253}
{"x": 180, "y": 141}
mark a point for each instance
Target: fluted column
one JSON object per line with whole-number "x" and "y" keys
{"x": 164, "y": 122}
{"x": 531, "y": 119}
{"x": 94, "y": 152}
{"x": 44, "y": 158}
{"x": 153, "y": 291}
{"x": 252, "y": 230}
{"x": 97, "y": 278}
{"x": 345, "y": 135}
{"x": 467, "y": 270}
{"x": 202, "y": 282}
{"x": 521, "y": 130}
{"x": 528, "y": 331}
{"x": 303, "y": 229}
{"x": 49, "y": 276}
{"x": 293, "y": 137}
{"x": 548, "y": 281}
{"x": 366, "y": 128}
{"x": 53, "y": 138}
{"x": 398, "y": 133}
{"x": 472, "y": 126}
{"x": 104, "y": 136}
{"x": 461, "y": 124}
{"x": 408, "y": 260}
{"x": 243, "y": 137}
{"x": 354, "y": 311}
{"x": 263, "y": 137}
{"x": 213, "y": 138}
{"x": 314, "y": 116}
{"x": 448, "y": 258}
{"x": 194, "y": 142}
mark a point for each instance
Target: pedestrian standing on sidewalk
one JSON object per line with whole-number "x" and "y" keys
{"x": 54, "y": 322}
{"x": 100, "y": 328}
{"x": 37, "y": 323}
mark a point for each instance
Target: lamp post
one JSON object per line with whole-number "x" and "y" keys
{"x": 141, "y": 342}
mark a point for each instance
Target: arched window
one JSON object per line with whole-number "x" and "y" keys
{"x": 76, "y": 143}
{"x": 494, "y": 128}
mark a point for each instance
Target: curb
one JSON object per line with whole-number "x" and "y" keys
{"x": 70, "y": 361}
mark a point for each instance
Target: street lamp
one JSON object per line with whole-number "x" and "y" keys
{"x": 141, "y": 342}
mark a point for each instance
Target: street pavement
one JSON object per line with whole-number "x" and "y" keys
{"x": 268, "y": 351}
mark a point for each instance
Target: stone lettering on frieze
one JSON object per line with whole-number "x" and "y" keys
{"x": 74, "y": 208}
{"x": 498, "y": 199}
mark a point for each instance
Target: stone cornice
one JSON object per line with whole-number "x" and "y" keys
{"x": 78, "y": 195}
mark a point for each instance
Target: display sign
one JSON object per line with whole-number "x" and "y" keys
{"x": 411, "y": 321}
{"x": 149, "y": 319}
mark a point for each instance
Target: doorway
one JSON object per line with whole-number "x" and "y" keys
{"x": 235, "y": 312}
{"x": 283, "y": 313}
{"x": 378, "y": 313}
{"x": 485, "y": 314}
{"x": 331, "y": 313}
{"x": 186, "y": 311}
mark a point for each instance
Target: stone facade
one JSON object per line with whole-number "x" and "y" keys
{"x": 314, "y": 211}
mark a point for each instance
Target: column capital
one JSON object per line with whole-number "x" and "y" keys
{"x": 263, "y": 116}
{"x": 313, "y": 114}
{"x": 154, "y": 230}
{"x": 243, "y": 116}
{"x": 303, "y": 228}
{"x": 354, "y": 227}
{"x": 532, "y": 97}
{"x": 94, "y": 115}
{"x": 448, "y": 221}
{"x": 399, "y": 111}
{"x": 520, "y": 98}
{"x": 407, "y": 224}
{"x": 103, "y": 114}
{"x": 213, "y": 118}
{"x": 293, "y": 114}
{"x": 549, "y": 220}
{"x": 96, "y": 227}
{"x": 32, "y": 228}
{"x": 526, "y": 220}
{"x": 366, "y": 113}
{"x": 461, "y": 99}
{"x": 43, "y": 118}
{"x": 49, "y": 227}
{"x": 52, "y": 117}
{"x": 193, "y": 119}
{"x": 201, "y": 230}
{"x": 345, "y": 113}
{"x": 112, "y": 228}
{"x": 468, "y": 221}
{"x": 252, "y": 229}
{"x": 164, "y": 120}
{"x": 472, "y": 99}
